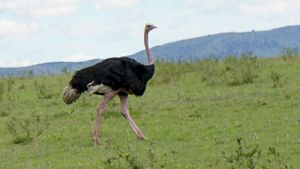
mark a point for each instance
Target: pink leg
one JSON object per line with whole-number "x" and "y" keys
{"x": 126, "y": 114}
{"x": 100, "y": 111}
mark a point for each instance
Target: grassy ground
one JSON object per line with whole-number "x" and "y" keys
{"x": 237, "y": 113}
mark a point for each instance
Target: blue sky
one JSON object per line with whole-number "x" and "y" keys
{"x": 37, "y": 31}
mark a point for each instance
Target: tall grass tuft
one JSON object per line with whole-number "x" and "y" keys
{"x": 210, "y": 71}
{"x": 43, "y": 91}
{"x": 289, "y": 53}
{"x": 275, "y": 77}
{"x": 10, "y": 84}
{"x": 231, "y": 71}
{"x": 26, "y": 129}
{"x": 252, "y": 157}
{"x": 128, "y": 158}
{"x": 166, "y": 72}
{"x": 1, "y": 91}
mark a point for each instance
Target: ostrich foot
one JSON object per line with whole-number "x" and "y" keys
{"x": 95, "y": 137}
{"x": 96, "y": 140}
{"x": 142, "y": 137}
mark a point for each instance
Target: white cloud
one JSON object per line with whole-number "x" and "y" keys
{"x": 204, "y": 3}
{"x": 246, "y": 7}
{"x": 2, "y": 64}
{"x": 265, "y": 8}
{"x": 28, "y": 62}
{"x": 8, "y": 27}
{"x": 20, "y": 63}
{"x": 40, "y": 8}
{"x": 78, "y": 57}
{"x": 270, "y": 7}
{"x": 23, "y": 63}
{"x": 204, "y": 6}
{"x": 116, "y": 4}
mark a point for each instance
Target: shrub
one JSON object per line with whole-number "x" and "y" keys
{"x": 42, "y": 90}
{"x": 275, "y": 77}
{"x": 26, "y": 129}
{"x": 3, "y": 113}
{"x": 123, "y": 159}
{"x": 231, "y": 70}
{"x": 210, "y": 70}
{"x": 289, "y": 52}
{"x": 5, "y": 110}
{"x": 1, "y": 91}
{"x": 252, "y": 157}
{"x": 240, "y": 70}
{"x": 244, "y": 156}
{"x": 129, "y": 158}
{"x": 166, "y": 72}
{"x": 10, "y": 84}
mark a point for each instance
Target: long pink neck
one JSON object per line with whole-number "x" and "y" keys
{"x": 148, "y": 51}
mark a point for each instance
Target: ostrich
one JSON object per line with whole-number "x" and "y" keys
{"x": 114, "y": 76}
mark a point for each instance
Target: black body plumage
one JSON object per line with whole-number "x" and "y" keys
{"x": 117, "y": 73}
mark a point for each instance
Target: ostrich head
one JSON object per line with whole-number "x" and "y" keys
{"x": 149, "y": 27}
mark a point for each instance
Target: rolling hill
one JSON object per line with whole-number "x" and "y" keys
{"x": 261, "y": 43}
{"x": 46, "y": 68}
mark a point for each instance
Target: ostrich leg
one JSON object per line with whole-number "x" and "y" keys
{"x": 126, "y": 114}
{"x": 100, "y": 111}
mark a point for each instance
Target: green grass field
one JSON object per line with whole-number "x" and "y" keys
{"x": 237, "y": 113}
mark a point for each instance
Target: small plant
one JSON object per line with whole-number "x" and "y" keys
{"x": 245, "y": 156}
{"x": 5, "y": 111}
{"x": 42, "y": 90}
{"x": 275, "y": 77}
{"x": 66, "y": 71}
{"x": 167, "y": 72}
{"x": 129, "y": 159}
{"x": 153, "y": 158}
{"x": 22, "y": 87}
{"x": 289, "y": 52}
{"x": 238, "y": 71}
{"x": 252, "y": 157}
{"x": 1, "y": 91}
{"x": 29, "y": 73}
{"x": 123, "y": 160}
{"x": 249, "y": 65}
{"x": 25, "y": 130}
{"x": 210, "y": 71}
{"x": 231, "y": 70}
{"x": 10, "y": 84}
